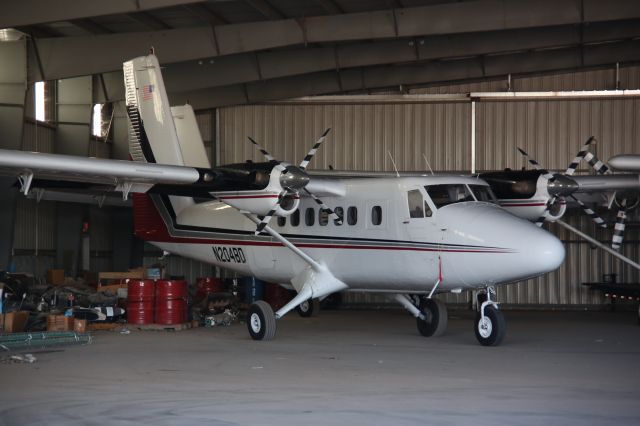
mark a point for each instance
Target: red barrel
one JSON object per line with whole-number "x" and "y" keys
{"x": 140, "y": 312}
{"x": 171, "y": 302}
{"x": 140, "y": 301}
{"x": 140, "y": 290}
{"x": 206, "y": 285}
{"x": 171, "y": 289}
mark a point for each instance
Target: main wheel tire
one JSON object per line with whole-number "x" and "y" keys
{"x": 436, "y": 319}
{"x": 494, "y": 328}
{"x": 261, "y": 321}
{"x": 307, "y": 308}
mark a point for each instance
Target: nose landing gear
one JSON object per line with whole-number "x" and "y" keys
{"x": 489, "y": 325}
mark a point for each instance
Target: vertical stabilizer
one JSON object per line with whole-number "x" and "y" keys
{"x": 152, "y": 133}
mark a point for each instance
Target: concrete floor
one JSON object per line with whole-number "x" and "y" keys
{"x": 340, "y": 368}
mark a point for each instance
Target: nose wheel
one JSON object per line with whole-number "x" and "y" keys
{"x": 489, "y": 326}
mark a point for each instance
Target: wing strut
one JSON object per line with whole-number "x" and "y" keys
{"x": 314, "y": 281}
{"x": 598, "y": 244}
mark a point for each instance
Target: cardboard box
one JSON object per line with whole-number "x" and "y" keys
{"x": 14, "y": 322}
{"x": 55, "y": 276}
{"x": 59, "y": 323}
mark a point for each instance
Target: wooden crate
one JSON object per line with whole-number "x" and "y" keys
{"x": 14, "y": 322}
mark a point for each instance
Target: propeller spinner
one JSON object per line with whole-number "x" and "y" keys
{"x": 293, "y": 179}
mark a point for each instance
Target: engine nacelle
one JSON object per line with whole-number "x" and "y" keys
{"x": 526, "y": 195}
{"x": 261, "y": 202}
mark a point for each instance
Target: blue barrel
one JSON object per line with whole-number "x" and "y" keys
{"x": 253, "y": 289}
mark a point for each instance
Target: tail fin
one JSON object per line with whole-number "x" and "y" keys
{"x": 191, "y": 145}
{"x": 153, "y": 137}
{"x": 152, "y": 132}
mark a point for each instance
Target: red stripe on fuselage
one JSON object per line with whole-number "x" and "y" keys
{"x": 237, "y": 197}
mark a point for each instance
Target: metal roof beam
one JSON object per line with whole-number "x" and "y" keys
{"x": 248, "y": 67}
{"x": 203, "y": 12}
{"x": 31, "y": 12}
{"x": 366, "y": 79}
{"x": 60, "y": 55}
{"x": 330, "y": 6}
{"x": 149, "y": 21}
{"x": 91, "y": 26}
{"x": 265, "y": 9}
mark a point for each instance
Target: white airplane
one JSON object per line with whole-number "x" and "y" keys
{"x": 409, "y": 237}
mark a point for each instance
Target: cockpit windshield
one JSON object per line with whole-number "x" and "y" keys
{"x": 443, "y": 195}
{"x": 483, "y": 193}
{"x": 446, "y": 194}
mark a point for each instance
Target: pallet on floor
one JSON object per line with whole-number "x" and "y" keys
{"x": 95, "y": 326}
{"x": 159, "y": 327}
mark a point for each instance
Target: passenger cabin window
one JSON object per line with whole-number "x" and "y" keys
{"x": 282, "y": 221}
{"x": 352, "y": 215}
{"x": 483, "y": 193}
{"x": 323, "y": 217}
{"x": 443, "y": 195}
{"x": 340, "y": 213}
{"x": 295, "y": 218}
{"x": 418, "y": 207}
{"x": 376, "y": 215}
{"x": 310, "y": 217}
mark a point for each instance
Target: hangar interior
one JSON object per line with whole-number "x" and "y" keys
{"x": 377, "y": 87}
{"x": 405, "y": 85}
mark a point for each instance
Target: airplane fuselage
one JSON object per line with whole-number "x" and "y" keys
{"x": 381, "y": 246}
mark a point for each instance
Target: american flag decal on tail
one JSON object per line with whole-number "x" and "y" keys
{"x": 147, "y": 92}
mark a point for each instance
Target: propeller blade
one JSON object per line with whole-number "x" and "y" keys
{"x": 540, "y": 220}
{"x": 264, "y": 152}
{"x": 265, "y": 221}
{"x": 267, "y": 218}
{"x": 549, "y": 177}
{"x": 309, "y": 156}
{"x": 580, "y": 156}
{"x": 596, "y": 164}
{"x": 618, "y": 230}
{"x": 592, "y": 214}
{"x": 536, "y": 165}
{"x": 336, "y": 218}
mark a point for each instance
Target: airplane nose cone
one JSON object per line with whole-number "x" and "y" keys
{"x": 539, "y": 251}
{"x": 520, "y": 250}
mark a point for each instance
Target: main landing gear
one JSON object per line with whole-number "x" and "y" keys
{"x": 261, "y": 321}
{"x": 489, "y": 325}
{"x": 431, "y": 314}
{"x": 307, "y": 308}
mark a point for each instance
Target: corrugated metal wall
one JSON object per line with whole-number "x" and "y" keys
{"x": 552, "y": 131}
{"x": 360, "y": 138}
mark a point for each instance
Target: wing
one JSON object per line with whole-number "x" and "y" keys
{"x": 124, "y": 176}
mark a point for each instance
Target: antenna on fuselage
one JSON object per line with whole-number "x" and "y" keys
{"x": 428, "y": 165}
{"x": 394, "y": 164}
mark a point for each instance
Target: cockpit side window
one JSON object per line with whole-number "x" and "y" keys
{"x": 416, "y": 204}
{"x": 446, "y": 194}
{"x": 483, "y": 193}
